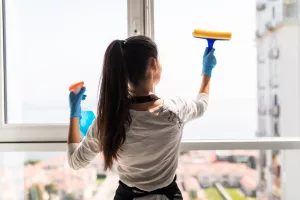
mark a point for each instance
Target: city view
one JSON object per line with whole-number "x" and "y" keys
{"x": 201, "y": 175}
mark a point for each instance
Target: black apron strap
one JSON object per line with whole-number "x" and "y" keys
{"x": 143, "y": 99}
{"x": 125, "y": 192}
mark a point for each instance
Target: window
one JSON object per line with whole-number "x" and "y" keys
{"x": 47, "y": 45}
{"x": 50, "y": 45}
{"x": 233, "y": 85}
{"x": 200, "y": 174}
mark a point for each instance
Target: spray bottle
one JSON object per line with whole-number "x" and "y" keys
{"x": 87, "y": 116}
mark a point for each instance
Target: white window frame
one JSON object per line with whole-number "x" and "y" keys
{"x": 186, "y": 145}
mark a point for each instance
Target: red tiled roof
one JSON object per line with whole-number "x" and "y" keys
{"x": 248, "y": 182}
{"x": 31, "y": 170}
{"x": 56, "y": 160}
{"x": 73, "y": 185}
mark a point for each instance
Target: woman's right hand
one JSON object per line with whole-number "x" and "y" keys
{"x": 75, "y": 103}
{"x": 209, "y": 62}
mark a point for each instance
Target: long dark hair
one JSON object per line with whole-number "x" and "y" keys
{"x": 125, "y": 62}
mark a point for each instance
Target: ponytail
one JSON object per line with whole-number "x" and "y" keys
{"x": 113, "y": 106}
{"x": 124, "y": 63}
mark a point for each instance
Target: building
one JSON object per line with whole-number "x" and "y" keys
{"x": 55, "y": 170}
{"x": 249, "y": 183}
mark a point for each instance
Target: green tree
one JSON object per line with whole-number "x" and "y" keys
{"x": 69, "y": 196}
{"x": 252, "y": 162}
{"x": 31, "y": 162}
{"x": 193, "y": 194}
{"x": 183, "y": 152}
{"x": 51, "y": 190}
{"x": 35, "y": 192}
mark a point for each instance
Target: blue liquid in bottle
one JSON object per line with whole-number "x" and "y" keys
{"x": 87, "y": 118}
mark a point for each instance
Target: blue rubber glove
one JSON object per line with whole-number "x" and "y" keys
{"x": 209, "y": 62}
{"x": 75, "y": 103}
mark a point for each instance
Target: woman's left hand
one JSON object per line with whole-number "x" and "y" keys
{"x": 75, "y": 103}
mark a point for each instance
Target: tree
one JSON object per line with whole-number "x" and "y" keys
{"x": 51, "y": 189}
{"x": 69, "y": 196}
{"x": 31, "y": 162}
{"x": 193, "y": 194}
{"x": 252, "y": 162}
{"x": 35, "y": 192}
{"x": 183, "y": 152}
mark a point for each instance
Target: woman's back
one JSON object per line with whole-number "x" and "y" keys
{"x": 134, "y": 127}
{"x": 148, "y": 159}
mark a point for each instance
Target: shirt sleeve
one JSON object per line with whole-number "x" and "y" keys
{"x": 191, "y": 109}
{"x": 81, "y": 154}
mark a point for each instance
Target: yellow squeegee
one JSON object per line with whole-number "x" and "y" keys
{"x": 211, "y": 36}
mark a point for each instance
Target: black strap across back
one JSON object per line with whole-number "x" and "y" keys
{"x": 143, "y": 99}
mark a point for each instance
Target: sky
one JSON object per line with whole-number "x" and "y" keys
{"x": 52, "y": 44}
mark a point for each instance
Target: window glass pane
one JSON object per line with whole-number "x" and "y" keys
{"x": 232, "y": 110}
{"x": 52, "y": 44}
{"x": 200, "y": 175}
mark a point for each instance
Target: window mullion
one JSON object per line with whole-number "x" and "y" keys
{"x": 2, "y": 79}
{"x": 136, "y": 17}
{"x": 149, "y": 18}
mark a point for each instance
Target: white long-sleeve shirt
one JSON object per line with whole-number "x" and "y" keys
{"x": 149, "y": 156}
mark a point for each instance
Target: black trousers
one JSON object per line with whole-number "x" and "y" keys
{"x": 125, "y": 192}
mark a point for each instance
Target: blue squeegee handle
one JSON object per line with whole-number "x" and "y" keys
{"x": 210, "y": 44}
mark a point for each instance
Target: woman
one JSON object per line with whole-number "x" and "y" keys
{"x": 134, "y": 127}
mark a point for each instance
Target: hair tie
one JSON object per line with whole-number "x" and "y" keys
{"x": 123, "y": 43}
